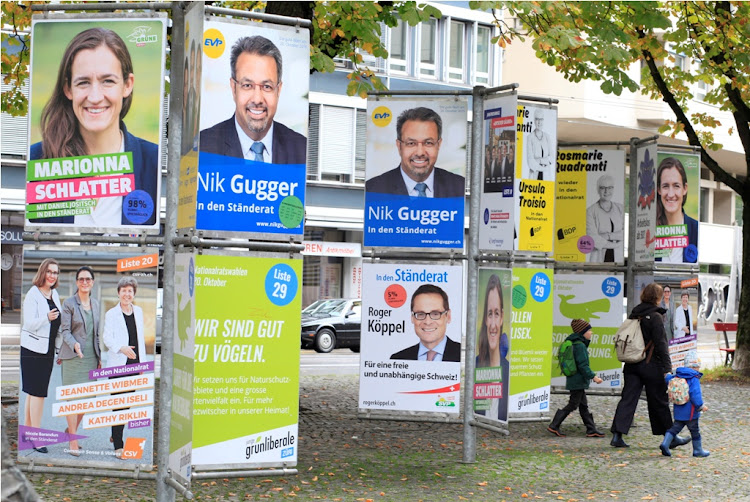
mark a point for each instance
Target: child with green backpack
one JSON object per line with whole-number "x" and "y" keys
{"x": 574, "y": 363}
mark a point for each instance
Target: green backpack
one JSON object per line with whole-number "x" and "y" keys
{"x": 565, "y": 359}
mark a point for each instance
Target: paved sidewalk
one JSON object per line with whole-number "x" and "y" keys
{"x": 342, "y": 457}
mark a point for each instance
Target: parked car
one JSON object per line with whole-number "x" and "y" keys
{"x": 332, "y": 325}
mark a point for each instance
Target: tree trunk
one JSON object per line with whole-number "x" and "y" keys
{"x": 742, "y": 353}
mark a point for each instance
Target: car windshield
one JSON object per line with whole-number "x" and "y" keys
{"x": 333, "y": 307}
{"x": 314, "y": 306}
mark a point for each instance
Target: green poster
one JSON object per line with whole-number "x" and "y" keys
{"x": 530, "y": 340}
{"x": 183, "y": 371}
{"x": 246, "y": 386}
{"x": 597, "y": 299}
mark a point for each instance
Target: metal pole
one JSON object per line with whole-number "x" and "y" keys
{"x": 630, "y": 271}
{"x": 200, "y": 242}
{"x": 477, "y": 126}
{"x": 260, "y": 16}
{"x": 164, "y": 491}
{"x": 420, "y": 93}
{"x": 49, "y": 7}
{"x": 551, "y": 101}
{"x": 143, "y": 240}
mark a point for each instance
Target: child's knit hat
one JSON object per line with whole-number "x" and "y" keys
{"x": 580, "y": 326}
{"x": 692, "y": 360}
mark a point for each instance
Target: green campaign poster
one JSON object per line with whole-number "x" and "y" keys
{"x": 246, "y": 386}
{"x": 597, "y": 299}
{"x": 530, "y": 340}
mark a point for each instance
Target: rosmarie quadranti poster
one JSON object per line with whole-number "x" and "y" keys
{"x": 597, "y": 299}
{"x": 181, "y": 421}
{"x": 531, "y": 339}
{"x": 589, "y": 206}
{"x": 191, "y": 98}
{"x": 88, "y": 326}
{"x": 499, "y": 174}
{"x": 411, "y": 337}
{"x": 645, "y": 205}
{"x": 677, "y": 211}
{"x": 536, "y": 151}
{"x": 415, "y": 172}
{"x": 253, "y": 115}
{"x": 492, "y": 373}
{"x": 247, "y": 339}
{"x": 95, "y": 142}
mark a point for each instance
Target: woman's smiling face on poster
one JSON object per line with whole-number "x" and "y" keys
{"x": 126, "y": 295}
{"x": 672, "y": 190}
{"x": 494, "y": 319}
{"x": 96, "y": 90}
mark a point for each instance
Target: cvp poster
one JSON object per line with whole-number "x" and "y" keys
{"x": 181, "y": 418}
{"x": 536, "y": 151}
{"x": 246, "y": 386}
{"x": 492, "y": 373}
{"x": 411, "y": 338}
{"x": 597, "y": 299}
{"x": 531, "y": 339}
{"x": 682, "y": 329}
{"x": 589, "y": 209}
{"x": 677, "y": 197}
{"x": 496, "y": 228}
{"x": 254, "y": 112}
{"x": 416, "y": 163}
{"x": 87, "y": 357}
{"x": 96, "y": 105}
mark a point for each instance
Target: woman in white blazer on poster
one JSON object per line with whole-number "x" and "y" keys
{"x": 123, "y": 338}
{"x": 41, "y": 322}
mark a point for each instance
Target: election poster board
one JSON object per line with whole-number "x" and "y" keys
{"x": 415, "y": 184}
{"x": 645, "y": 206}
{"x": 499, "y": 166}
{"x": 102, "y": 329}
{"x": 247, "y": 339}
{"x": 685, "y": 303}
{"x": 492, "y": 369}
{"x": 95, "y": 143}
{"x": 249, "y": 119}
{"x": 408, "y": 311}
{"x": 677, "y": 211}
{"x": 589, "y": 206}
{"x": 536, "y": 152}
{"x": 597, "y": 299}
{"x": 531, "y": 340}
{"x": 191, "y": 103}
{"x": 183, "y": 369}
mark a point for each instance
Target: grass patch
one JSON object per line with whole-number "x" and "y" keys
{"x": 725, "y": 374}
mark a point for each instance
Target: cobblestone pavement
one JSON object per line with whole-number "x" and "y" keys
{"x": 343, "y": 457}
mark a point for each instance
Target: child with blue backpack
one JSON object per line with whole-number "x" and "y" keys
{"x": 578, "y": 382}
{"x": 690, "y": 412}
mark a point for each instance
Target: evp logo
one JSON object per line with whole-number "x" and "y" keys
{"x": 381, "y": 116}
{"x": 133, "y": 448}
{"x": 213, "y": 43}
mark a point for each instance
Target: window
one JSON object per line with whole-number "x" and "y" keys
{"x": 482, "y": 73}
{"x": 704, "y": 204}
{"x": 456, "y": 51}
{"x": 428, "y": 48}
{"x": 398, "y": 47}
{"x": 336, "y": 144}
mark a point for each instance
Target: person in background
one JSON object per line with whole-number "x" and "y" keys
{"x": 688, "y": 414}
{"x": 648, "y": 374}
{"x": 579, "y": 382}
{"x": 39, "y": 330}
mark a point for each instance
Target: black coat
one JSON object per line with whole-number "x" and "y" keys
{"x": 652, "y": 327}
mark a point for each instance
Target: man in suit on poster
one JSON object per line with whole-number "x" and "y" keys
{"x": 430, "y": 315}
{"x": 418, "y": 139}
{"x": 252, "y": 133}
